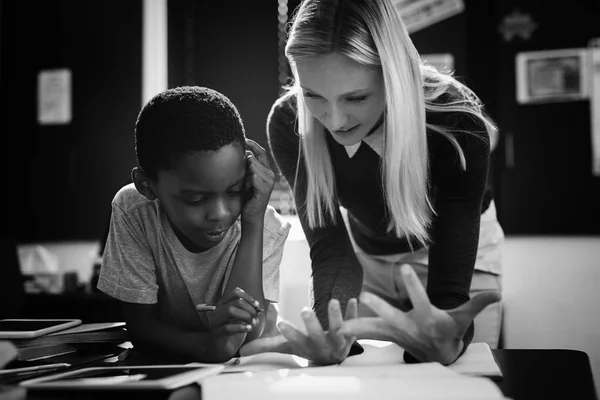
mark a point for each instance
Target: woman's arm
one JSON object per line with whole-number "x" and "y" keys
{"x": 336, "y": 272}
{"x": 455, "y": 227}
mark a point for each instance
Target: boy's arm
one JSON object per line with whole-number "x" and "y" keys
{"x": 128, "y": 274}
{"x": 247, "y": 273}
{"x": 148, "y": 333}
{"x": 247, "y": 270}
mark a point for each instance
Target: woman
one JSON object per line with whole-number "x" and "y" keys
{"x": 388, "y": 162}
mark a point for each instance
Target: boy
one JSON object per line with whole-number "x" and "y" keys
{"x": 193, "y": 249}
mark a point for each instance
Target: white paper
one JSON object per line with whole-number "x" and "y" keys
{"x": 477, "y": 360}
{"x": 408, "y": 381}
{"x": 54, "y": 97}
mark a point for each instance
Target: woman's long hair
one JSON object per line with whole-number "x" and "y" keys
{"x": 372, "y": 33}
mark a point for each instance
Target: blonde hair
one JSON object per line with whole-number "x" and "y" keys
{"x": 372, "y": 33}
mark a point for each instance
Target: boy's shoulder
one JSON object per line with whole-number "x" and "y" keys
{"x": 275, "y": 223}
{"x": 128, "y": 198}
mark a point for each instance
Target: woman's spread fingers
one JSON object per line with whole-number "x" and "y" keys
{"x": 467, "y": 312}
{"x": 335, "y": 323}
{"x": 352, "y": 309}
{"x": 382, "y": 308}
{"x": 414, "y": 287}
{"x": 334, "y": 312}
{"x": 366, "y": 328}
{"x": 314, "y": 330}
{"x": 293, "y": 335}
{"x": 278, "y": 344}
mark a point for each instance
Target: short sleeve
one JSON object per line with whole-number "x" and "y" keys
{"x": 127, "y": 272}
{"x": 276, "y": 231}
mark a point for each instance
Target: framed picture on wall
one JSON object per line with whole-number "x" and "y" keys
{"x": 552, "y": 76}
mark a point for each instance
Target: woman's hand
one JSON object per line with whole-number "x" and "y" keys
{"x": 316, "y": 345}
{"x": 426, "y": 332}
{"x": 260, "y": 180}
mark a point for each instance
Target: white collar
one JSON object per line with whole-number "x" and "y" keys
{"x": 374, "y": 141}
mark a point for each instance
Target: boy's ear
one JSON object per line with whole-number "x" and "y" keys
{"x": 142, "y": 183}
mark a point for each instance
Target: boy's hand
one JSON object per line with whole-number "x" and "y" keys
{"x": 259, "y": 183}
{"x": 235, "y": 313}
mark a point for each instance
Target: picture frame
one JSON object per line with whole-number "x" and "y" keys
{"x": 552, "y": 76}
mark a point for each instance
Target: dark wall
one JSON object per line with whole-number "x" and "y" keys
{"x": 230, "y": 47}
{"x": 58, "y": 181}
{"x": 542, "y": 165}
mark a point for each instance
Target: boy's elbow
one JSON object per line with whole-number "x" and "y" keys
{"x": 219, "y": 353}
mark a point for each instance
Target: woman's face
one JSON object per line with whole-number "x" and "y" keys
{"x": 348, "y": 98}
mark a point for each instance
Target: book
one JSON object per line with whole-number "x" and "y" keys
{"x": 90, "y": 327}
{"x": 34, "y": 353}
{"x": 113, "y": 332}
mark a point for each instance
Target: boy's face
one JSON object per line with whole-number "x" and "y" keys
{"x": 202, "y": 195}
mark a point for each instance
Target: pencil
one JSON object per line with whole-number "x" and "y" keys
{"x": 205, "y": 308}
{"x": 36, "y": 368}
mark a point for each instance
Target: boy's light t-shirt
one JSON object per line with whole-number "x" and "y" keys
{"x": 144, "y": 262}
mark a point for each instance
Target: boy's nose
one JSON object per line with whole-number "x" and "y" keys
{"x": 218, "y": 212}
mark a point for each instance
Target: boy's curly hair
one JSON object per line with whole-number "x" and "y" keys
{"x": 182, "y": 120}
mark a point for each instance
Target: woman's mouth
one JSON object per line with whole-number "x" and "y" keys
{"x": 346, "y": 131}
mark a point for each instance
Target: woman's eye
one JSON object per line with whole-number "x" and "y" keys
{"x": 357, "y": 99}
{"x": 311, "y": 96}
{"x": 235, "y": 193}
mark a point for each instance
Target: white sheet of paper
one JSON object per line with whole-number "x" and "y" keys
{"x": 477, "y": 360}
{"x": 415, "y": 381}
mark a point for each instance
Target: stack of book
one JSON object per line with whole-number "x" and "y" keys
{"x": 70, "y": 340}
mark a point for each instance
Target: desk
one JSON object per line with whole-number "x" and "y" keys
{"x": 528, "y": 375}
{"x": 545, "y": 374}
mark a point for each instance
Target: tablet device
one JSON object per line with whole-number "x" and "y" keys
{"x": 155, "y": 377}
{"x": 31, "y": 328}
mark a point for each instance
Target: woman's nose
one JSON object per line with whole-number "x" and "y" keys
{"x": 338, "y": 119}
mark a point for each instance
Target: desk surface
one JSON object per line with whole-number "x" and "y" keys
{"x": 528, "y": 375}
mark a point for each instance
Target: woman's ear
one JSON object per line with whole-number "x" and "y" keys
{"x": 143, "y": 183}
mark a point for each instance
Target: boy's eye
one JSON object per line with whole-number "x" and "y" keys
{"x": 357, "y": 99}
{"x": 234, "y": 193}
{"x": 196, "y": 202}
